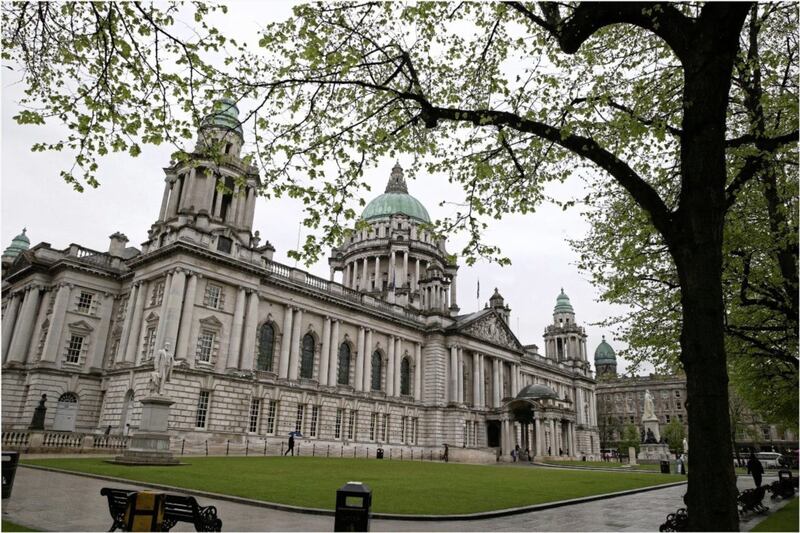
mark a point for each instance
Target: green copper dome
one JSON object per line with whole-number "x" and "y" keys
{"x": 604, "y": 353}
{"x": 225, "y": 115}
{"x": 562, "y": 304}
{"x": 19, "y": 244}
{"x": 396, "y": 200}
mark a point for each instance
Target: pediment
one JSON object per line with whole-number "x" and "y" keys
{"x": 80, "y": 326}
{"x": 491, "y": 328}
{"x": 211, "y": 321}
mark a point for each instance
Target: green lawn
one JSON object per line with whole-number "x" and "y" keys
{"x": 403, "y": 487}
{"x": 11, "y": 526}
{"x": 785, "y": 519}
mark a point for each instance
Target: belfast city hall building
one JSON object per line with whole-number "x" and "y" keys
{"x": 378, "y": 354}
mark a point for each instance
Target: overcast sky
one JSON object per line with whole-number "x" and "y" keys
{"x": 34, "y": 196}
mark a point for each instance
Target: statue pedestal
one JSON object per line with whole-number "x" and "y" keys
{"x": 653, "y": 453}
{"x": 150, "y": 444}
{"x": 652, "y": 424}
{"x": 38, "y": 418}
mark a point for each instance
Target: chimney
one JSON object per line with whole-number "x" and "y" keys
{"x": 116, "y": 246}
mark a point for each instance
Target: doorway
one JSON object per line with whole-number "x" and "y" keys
{"x": 66, "y": 412}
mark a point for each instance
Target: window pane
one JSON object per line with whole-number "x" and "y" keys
{"x": 377, "y": 362}
{"x": 344, "y": 364}
{"x": 307, "y": 360}
{"x": 266, "y": 345}
{"x": 405, "y": 372}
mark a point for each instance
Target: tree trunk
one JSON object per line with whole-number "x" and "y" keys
{"x": 696, "y": 246}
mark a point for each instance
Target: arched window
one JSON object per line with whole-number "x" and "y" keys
{"x": 405, "y": 377}
{"x": 377, "y": 370}
{"x": 307, "y": 360}
{"x": 344, "y": 364}
{"x": 266, "y": 344}
{"x": 68, "y": 397}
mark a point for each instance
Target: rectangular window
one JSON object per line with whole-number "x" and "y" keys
{"x": 157, "y": 296}
{"x": 680, "y": 419}
{"x": 416, "y": 426}
{"x": 677, "y": 394}
{"x": 403, "y": 429}
{"x": 85, "y": 302}
{"x": 298, "y": 423}
{"x": 337, "y": 427}
{"x": 312, "y": 431}
{"x": 74, "y": 348}
{"x": 149, "y": 347}
{"x": 667, "y": 417}
{"x": 351, "y": 425}
{"x": 465, "y": 435}
{"x": 202, "y": 409}
{"x": 205, "y": 345}
{"x": 255, "y": 413}
{"x": 385, "y": 432}
{"x": 213, "y": 296}
{"x": 373, "y": 420}
{"x": 271, "y": 414}
{"x": 677, "y": 405}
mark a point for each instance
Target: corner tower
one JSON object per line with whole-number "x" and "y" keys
{"x": 605, "y": 360}
{"x": 396, "y": 258}
{"x": 213, "y": 189}
{"x": 564, "y": 340}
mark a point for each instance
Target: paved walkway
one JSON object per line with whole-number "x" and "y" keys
{"x": 54, "y": 501}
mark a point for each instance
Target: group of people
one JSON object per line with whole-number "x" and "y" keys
{"x": 516, "y": 454}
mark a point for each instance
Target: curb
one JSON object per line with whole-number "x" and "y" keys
{"x": 598, "y": 469}
{"x": 378, "y": 516}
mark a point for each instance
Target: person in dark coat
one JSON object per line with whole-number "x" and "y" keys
{"x": 291, "y": 445}
{"x": 755, "y": 468}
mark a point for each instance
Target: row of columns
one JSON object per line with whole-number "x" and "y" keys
{"x": 356, "y": 273}
{"x": 192, "y": 189}
{"x": 546, "y": 436}
{"x": 25, "y": 312}
{"x": 455, "y": 379}
{"x": 289, "y": 362}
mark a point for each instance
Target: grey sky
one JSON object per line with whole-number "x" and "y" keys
{"x": 34, "y": 196}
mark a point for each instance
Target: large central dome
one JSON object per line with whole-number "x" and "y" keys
{"x": 396, "y": 200}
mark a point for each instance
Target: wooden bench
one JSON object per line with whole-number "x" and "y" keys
{"x": 177, "y": 508}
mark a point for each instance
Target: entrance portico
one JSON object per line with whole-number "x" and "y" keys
{"x": 540, "y": 422}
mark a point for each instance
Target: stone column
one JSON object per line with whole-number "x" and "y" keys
{"x": 416, "y": 277}
{"x": 452, "y": 376}
{"x": 514, "y": 380}
{"x": 235, "y": 342}
{"x": 334, "y": 354}
{"x": 162, "y": 213}
{"x": 251, "y": 207}
{"x": 368, "y": 361}
{"x": 405, "y": 270}
{"x": 460, "y": 375}
{"x": 187, "y": 317}
{"x": 390, "y": 368}
{"x": 453, "y": 301}
{"x": 398, "y": 358}
{"x": 101, "y": 336}
{"x": 286, "y": 341}
{"x": 574, "y": 441}
{"x": 482, "y": 382}
{"x": 162, "y": 312}
{"x": 365, "y": 282}
{"x": 294, "y": 348}
{"x": 359, "y": 377}
{"x": 539, "y": 437}
{"x": 51, "y": 343}
{"x": 251, "y": 324}
{"x": 172, "y": 208}
{"x": 378, "y": 279}
{"x": 346, "y": 276}
{"x": 9, "y": 319}
{"x": 126, "y": 324}
{"x": 325, "y": 355}
{"x": 136, "y": 324}
{"x": 175, "y": 301}
{"x": 418, "y": 372}
{"x": 392, "y": 279}
{"x": 218, "y": 203}
{"x": 476, "y": 383}
{"x": 18, "y": 351}
{"x": 495, "y": 382}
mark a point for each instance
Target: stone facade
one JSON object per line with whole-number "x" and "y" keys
{"x": 262, "y": 349}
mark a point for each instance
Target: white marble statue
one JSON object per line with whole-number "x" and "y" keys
{"x": 685, "y": 445}
{"x": 649, "y": 408}
{"x": 162, "y": 369}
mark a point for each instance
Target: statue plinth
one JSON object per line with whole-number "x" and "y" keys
{"x": 38, "y": 418}
{"x": 653, "y": 452}
{"x": 651, "y": 423}
{"x": 150, "y": 444}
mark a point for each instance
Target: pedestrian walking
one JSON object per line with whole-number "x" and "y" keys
{"x": 755, "y": 468}
{"x": 291, "y": 445}
{"x": 446, "y": 455}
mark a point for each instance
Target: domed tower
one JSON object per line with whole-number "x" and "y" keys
{"x": 396, "y": 258}
{"x": 564, "y": 340}
{"x": 19, "y": 244}
{"x": 213, "y": 189}
{"x": 497, "y": 302}
{"x": 605, "y": 360}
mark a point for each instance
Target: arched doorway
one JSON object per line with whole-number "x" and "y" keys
{"x": 127, "y": 408}
{"x": 66, "y": 412}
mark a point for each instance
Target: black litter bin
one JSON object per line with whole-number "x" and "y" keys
{"x": 379, "y": 453}
{"x": 10, "y": 462}
{"x": 353, "y": 502}
{"x": 665, "y": 467}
